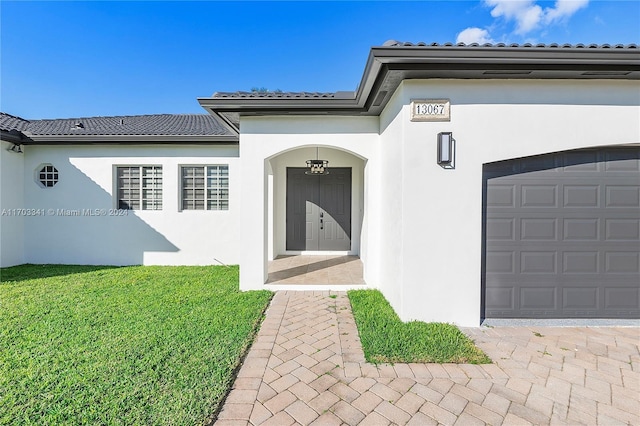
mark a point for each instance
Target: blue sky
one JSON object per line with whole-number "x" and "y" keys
{"x": 79, "y": 59}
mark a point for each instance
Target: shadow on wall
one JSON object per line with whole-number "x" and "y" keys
{"x": 78, "y": 224}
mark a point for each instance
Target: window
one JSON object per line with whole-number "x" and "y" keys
{"x": 205, "y": 187}
{"x": 47, "y": 175}
{"x": 140, "y": 187}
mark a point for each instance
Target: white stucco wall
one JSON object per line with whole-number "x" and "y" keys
{"x": 165, "y": 237}
{"x": 11, "y": 205}
{"x": 421, "y": 224}
{"x": 270, "y": 144}
{"x": 391, "y": 226}
{"x": 441, "y": 210}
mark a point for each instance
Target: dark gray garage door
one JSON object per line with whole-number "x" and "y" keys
{"x": 562, "y": 236}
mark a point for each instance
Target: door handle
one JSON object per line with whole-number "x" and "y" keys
{"x": 321, "y": 220}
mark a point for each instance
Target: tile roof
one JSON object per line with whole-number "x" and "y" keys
{"x": 465, "y": 49}
{"x": 132, "y": 125}
{"x": 10, "y": 122}
{"x": 395, "y": 43}
{"x": 271, "y": 95}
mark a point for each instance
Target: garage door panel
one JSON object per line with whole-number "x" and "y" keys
{"x": 538, "y": 297}
{"x": 580, "y": 262}
{"x": 622, "y": 263}
{"x": 622, "y": 229}
{"x": 580, "y": 298}
{"x": 538, "y": 229}
{"x": 539, "y": 196}
{"x": 501, "y": 196}
{"x": 581, "y": 195}
{"x": 500, "y": 262}
{"x": 622, "y": 196}
{"x": 501, "y": 229}
{"x": 562, "y": 236}
{"x": 501, "y": 298}
{"x": 548, "y": 163}
{"x": 538, "y": 262}
{"x": 618, "y": 161}
{"x": 622, "y": 298}
{"x": 578, "y": 229}
{"x": 582, "y": 164}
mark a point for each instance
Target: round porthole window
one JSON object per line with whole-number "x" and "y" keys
{"x": 47, "y": 175}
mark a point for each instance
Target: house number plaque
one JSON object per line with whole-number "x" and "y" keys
{"x": 430, "y": 110}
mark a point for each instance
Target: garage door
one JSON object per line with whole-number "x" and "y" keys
{"x": 562, "y": 235}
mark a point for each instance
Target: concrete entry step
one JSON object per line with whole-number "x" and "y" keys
{"x": 316, "y": 270}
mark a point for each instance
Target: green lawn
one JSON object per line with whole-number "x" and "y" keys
{"x": 387, "y": 339}
{"x": 130, "y": 346}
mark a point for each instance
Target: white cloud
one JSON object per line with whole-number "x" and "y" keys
{"x": 474, "y": 35}
{"x": 525, "y": 13}
{"x": 563, "y": 9}
{"x": 529, "y": 16}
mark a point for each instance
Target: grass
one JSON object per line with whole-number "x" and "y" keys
{"x": 385, "y": 338}
{"x": 130, "y": 345}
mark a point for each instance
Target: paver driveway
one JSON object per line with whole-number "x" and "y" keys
{"x": 307, "y": 367}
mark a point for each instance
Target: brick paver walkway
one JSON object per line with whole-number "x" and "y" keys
{"x": 307, "y": 367}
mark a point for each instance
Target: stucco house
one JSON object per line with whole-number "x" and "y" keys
{"x": 472, "y": 181}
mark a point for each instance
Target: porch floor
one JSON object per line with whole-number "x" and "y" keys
{"x": 316, "y": 270}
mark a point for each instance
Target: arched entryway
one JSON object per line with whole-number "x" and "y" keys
{"x": 312, "y": 215}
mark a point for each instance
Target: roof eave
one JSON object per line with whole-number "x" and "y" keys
{"x": 13, "y": 136}
{"x": 228, "y": 124}
{"x": 129, "y": 139}
{"x": 466, "y": 62}
{"x": 463, "y": 54}
{"x": 239, "y": 104}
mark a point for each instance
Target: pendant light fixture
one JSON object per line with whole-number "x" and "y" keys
{"x": 317, "y": 166}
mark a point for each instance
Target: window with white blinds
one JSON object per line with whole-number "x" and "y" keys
{"x": 205, "y": 187}
{"x": 139, "y": 187}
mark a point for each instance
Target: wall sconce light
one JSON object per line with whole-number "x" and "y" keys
{"x": 15, "y": 148}
{"x": 446, "y": 150}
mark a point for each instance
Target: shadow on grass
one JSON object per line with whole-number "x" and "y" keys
{"x": 15, "y": 274}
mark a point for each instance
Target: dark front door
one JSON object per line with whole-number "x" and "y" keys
{"x": 319, "y": 210}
